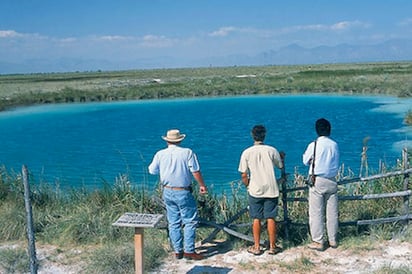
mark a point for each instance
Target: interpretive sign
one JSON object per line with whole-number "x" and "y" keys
{"x": 138, "y": 220}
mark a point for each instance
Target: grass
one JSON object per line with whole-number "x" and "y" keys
{"x": 14, "y": 260}
{"x": 300, "y": 265}
{"x": 83, "y": 219}
{"x": 392, "y": 270}
{"x": 114, "y": 259}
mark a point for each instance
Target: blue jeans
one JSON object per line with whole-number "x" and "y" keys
{"x": 181, "y": 210}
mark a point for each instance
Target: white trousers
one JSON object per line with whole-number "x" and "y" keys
{"x": 323, "y": 204}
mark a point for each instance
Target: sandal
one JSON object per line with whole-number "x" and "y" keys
{"x": 274, "y": 250}
{"x": 254, "y": 251}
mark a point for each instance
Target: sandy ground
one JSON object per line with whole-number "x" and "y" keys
{"x": 391, "y": 254}
{"x": 220, "y": 260}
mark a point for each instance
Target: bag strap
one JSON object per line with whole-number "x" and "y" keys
{"x": 313, "y": 159}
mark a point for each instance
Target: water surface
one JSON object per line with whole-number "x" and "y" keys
{"x": 87, "y": 144}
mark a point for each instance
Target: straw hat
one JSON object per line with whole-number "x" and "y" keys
{"x": 174, "y": 136}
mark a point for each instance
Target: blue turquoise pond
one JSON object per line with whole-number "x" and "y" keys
{"x": 73, "y": 145}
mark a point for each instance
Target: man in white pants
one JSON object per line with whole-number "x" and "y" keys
{"x": 323, "y": 153}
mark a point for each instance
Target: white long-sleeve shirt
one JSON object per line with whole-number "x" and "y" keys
{"x": 326, "y": 157}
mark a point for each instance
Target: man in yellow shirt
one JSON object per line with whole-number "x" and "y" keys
{"x": 257, "y": 168}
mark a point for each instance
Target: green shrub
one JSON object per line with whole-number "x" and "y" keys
{"x": 14, "y": 260}
{"x": 81, "y": 217}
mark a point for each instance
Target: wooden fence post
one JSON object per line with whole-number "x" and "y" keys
{"x": 283, "y": 177}
{"x": 29, "y": 217}
{"x": 405, "y": 161}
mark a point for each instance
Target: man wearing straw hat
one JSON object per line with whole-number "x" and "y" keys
{"x": 176, "y": 165}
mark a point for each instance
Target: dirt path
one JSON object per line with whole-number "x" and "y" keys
{"x": 390, "y": 255}
{"x": 219, "y": 260}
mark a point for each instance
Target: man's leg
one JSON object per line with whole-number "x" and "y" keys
{"x": 332, "y": 218}
{"x": 271, "y": 232}
{"x": 316, "y": 207}
{"x": 256, "y": 213}
{"x": 256, "y": 233}
{"x": 189, "y": 217}
{"x": 174, "y": 221}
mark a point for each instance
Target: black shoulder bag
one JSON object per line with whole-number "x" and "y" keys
{"x": 312, "y": 177}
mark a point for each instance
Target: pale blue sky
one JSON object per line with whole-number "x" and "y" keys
{"x": 122, "y": 30}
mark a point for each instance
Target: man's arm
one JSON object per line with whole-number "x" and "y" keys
{"x": 154, "y": 166}
{"x": 245, "y": 178}
{"x": 199, "y": 178}
{"x": 307, "y": 155}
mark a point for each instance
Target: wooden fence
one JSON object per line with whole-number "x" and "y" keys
{"x": 288, "y": 198}
{"x": 405, "y": 193}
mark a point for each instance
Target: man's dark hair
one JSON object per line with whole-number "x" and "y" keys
{"x": 259, "y": 133}
{"x": 323, "y": 127}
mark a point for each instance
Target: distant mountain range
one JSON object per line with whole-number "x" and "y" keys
{"x": 392, "y": 50}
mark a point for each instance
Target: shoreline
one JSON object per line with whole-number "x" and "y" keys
{"x": 374, "y": 79}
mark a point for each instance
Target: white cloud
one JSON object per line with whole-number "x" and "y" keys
{"x": 226, "y": 31}
{"x": 155, "y": 41}
{"x": 68, "y": 40}
{"x": 15, "y": 34}
{"x": 344, "y": 25}
{"x": 114, "y": 38}
{"x": 267, "y": 33}
{"x": 9, "y": 33}
{"x": 223, "y": 31}
{"x": 339, "y": 26}
{"x": 406, "y": 22}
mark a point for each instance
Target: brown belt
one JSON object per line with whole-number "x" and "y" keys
{"x": 177, "y": 188}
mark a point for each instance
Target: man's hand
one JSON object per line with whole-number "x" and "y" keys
{"x": 202, "y": 189}
{"x": 245, "y": 179}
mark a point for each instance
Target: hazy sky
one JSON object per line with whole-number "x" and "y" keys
{"x": 125, "y": 29}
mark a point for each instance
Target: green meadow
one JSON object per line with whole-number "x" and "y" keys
{"x": 352, "y": 79}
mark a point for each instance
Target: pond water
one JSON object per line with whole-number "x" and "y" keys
{"x": 73, "y": 145}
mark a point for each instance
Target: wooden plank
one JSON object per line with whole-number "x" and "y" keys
{"x": 232, "y": 232}
{"x": 375, "y": 177}
{"x": 298, "y": 199}
{"x": 138, "y": 250}
{"x": 376, "y": 196}
{"x": 225, "y": 224}
{"x": 385, "y": 220}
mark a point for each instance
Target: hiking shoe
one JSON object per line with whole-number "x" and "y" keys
{"x": 316, "y": 246}
{"x": 193, "y": 256}
{"x": 333, "y": 245}
{"x": 179, "y": 255}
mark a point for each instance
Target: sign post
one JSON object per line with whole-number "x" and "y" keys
{"x": 139, "y": 221}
